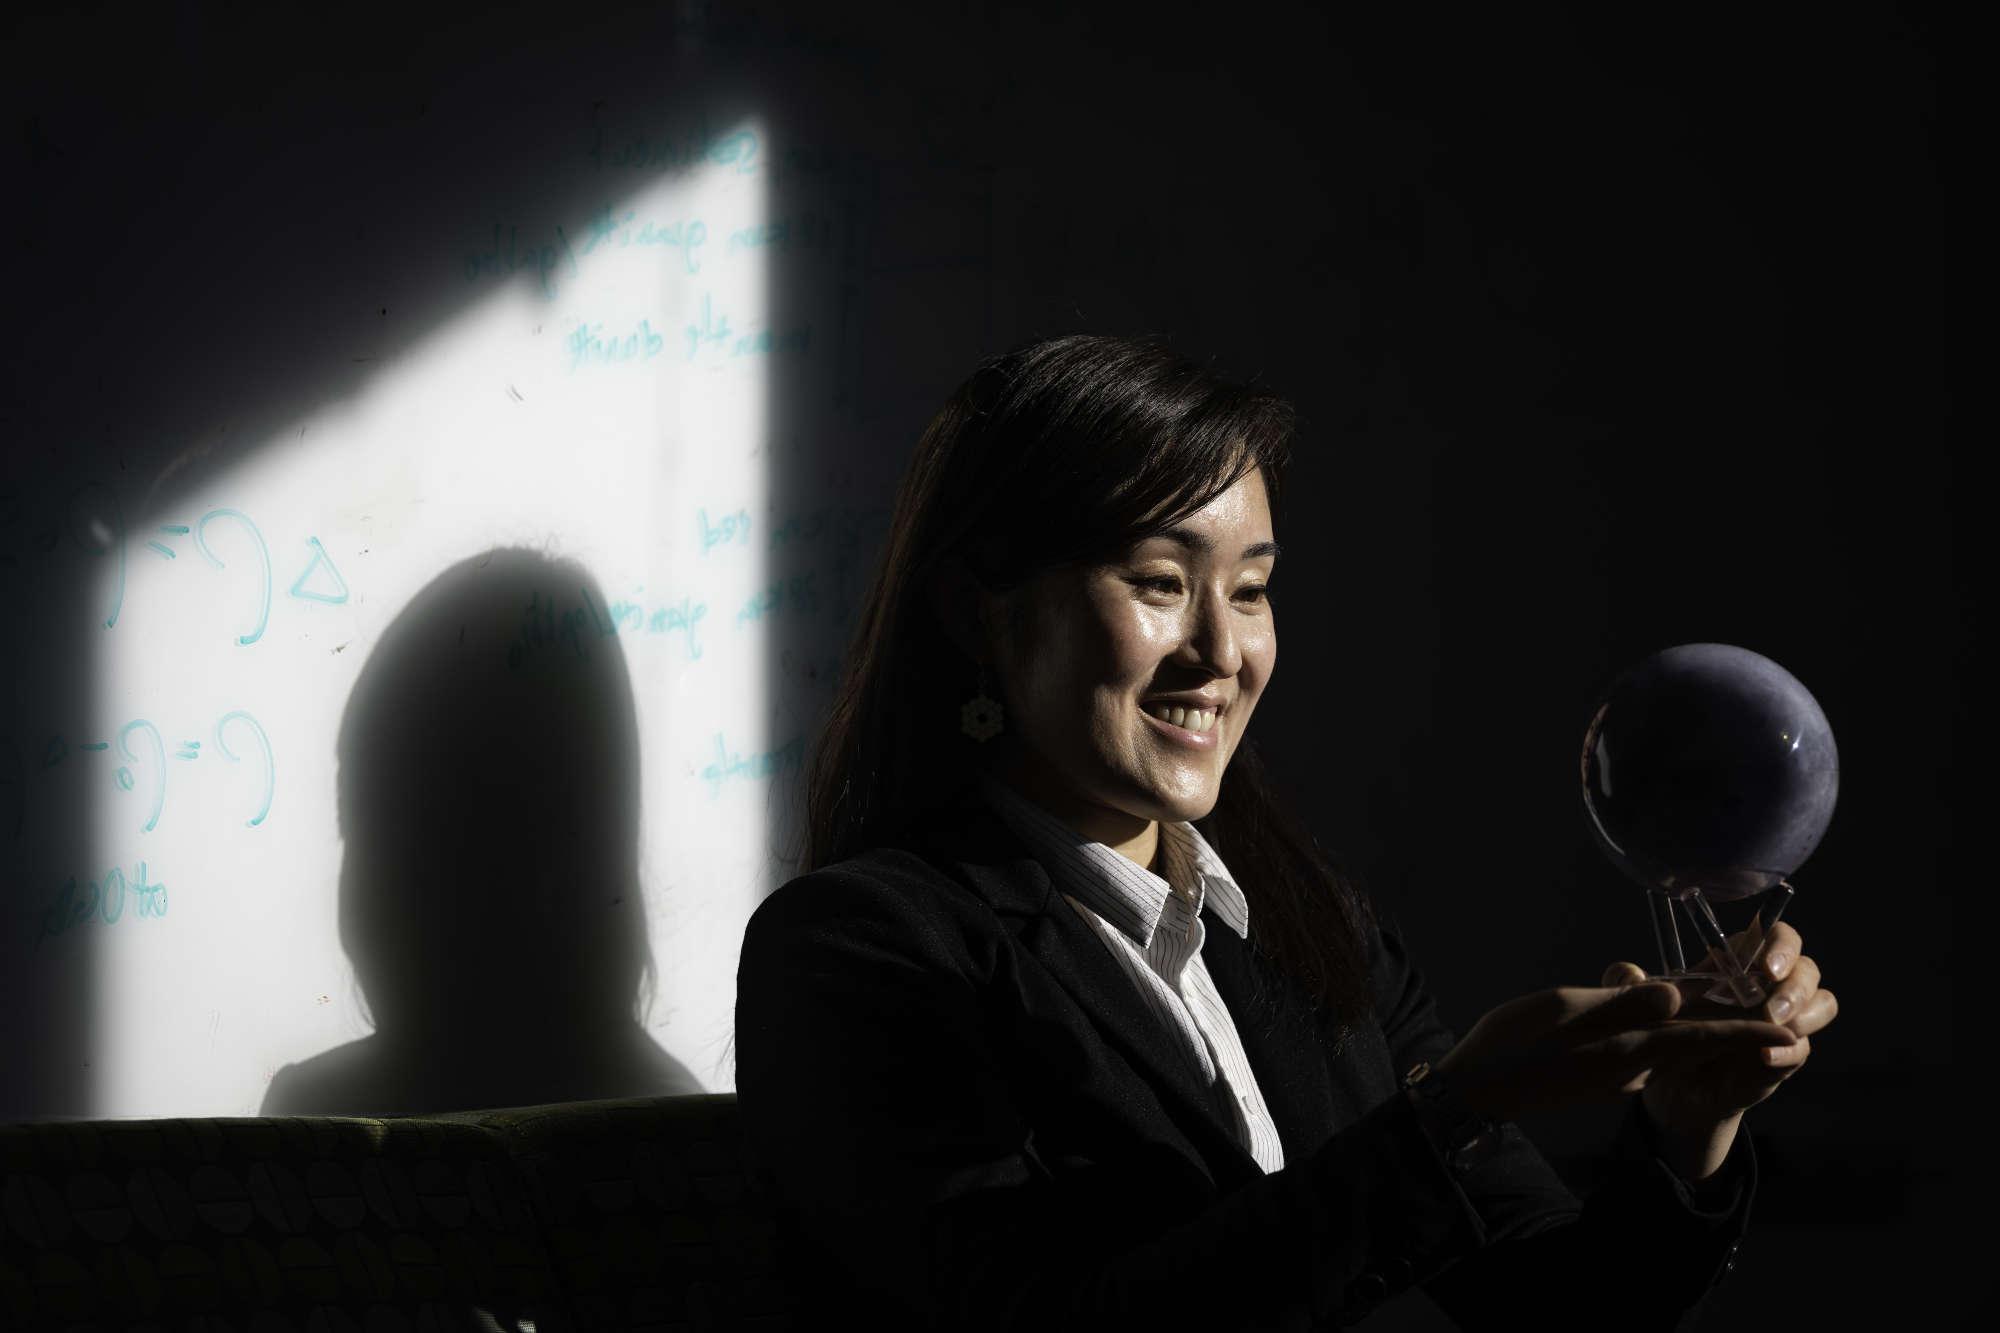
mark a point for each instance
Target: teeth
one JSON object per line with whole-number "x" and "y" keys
{"x": 1197, "y": 720}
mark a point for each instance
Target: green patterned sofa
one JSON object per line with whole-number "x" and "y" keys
{"x": 538, "y": 1219}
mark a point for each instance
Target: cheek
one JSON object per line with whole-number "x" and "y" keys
{"x": 1260, "y": 659}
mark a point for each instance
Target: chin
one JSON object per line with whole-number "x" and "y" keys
{"x": 1189, "y": 808}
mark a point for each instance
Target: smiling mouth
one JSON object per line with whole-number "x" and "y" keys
{"x": 1181, "y": 734}
{"x": 1201, "y": 721}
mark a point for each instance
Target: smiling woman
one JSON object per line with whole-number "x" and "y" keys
{"x": 1089, "y": 491}
{"x": 1169, "y": 648}
{"x": 1066, "y": 1000}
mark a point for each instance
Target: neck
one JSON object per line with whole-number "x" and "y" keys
{"x": 1134, "y": 838}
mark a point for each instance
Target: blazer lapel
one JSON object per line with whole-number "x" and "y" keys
{"x": 1279, "y": 1040}
{"x": 994, "y": 863}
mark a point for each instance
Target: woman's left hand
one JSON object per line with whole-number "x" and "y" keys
{"x": 1703, "y": 1093}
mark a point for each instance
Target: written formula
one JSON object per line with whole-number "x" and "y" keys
{"x": 592, "y": 344}
{"x": 665, "y": 148}
{"x": 143, "y": 748}
{"x": 107, "y": 901}
{"x": 623, "y": 231}
{"x": 588, "y": 345}
{"x": 729, "y": 766}
{"x": 546, "y": 624}
{"x": 794, "y": 593}
{"x": 554, "y": 260}
{"x": 507, "y": 256}
{"x": 726, "y": 530}
{"x": 843, "y": 527}
{"x": 229, "y": 533}
{"x": 710, "y": 332}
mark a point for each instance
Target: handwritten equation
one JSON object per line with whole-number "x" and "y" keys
{"x": 143, "y": 749}
{"x": 708, "y": 336}
{"x": 105, "y": 900}
{"x": 546, "y": 624}
{"x": 729, "y": 765}
{"x": 229, "y": 541}
{"x": 670, "y": 150}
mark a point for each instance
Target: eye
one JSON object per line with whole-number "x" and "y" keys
{"x": 1259, "y": 593}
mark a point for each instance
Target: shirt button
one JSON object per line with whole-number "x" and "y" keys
{"x": 1249, "y": 1107}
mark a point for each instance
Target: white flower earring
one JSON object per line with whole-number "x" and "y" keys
{"x": 981, "y": 716}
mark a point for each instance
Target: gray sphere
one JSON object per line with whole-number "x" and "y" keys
{"x": 1709, "y": 766}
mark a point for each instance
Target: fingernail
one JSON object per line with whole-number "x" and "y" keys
{"x": 1776, "y": 962}
{"x": 1781, "y": 1009}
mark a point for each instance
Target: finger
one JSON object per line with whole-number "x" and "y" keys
{"x": 1675, "y": 1044}
{"x": 1785, "y": 948}
{"x": 1795, "y": 993}
{"x": 1672, "y": 1041}
{"x": 1788, "y": 1058}
{"x": 1819, "y": 1012}
{"x": 1624, "y": 974}
{"x": 1726, "y": 1031}
{"x": 1623, "y": 1058}
{"x": 1591, "y": 1013}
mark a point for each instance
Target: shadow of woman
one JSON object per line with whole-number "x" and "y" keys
{"x": 489, "y": 887}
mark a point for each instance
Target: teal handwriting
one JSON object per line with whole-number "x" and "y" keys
{"x": 502, "y": 260}
{"x": 728, "y": 766}
{"x": 730, "y": 529}
{"x": 156, "y": 750}
{"x": 545, "y": 624}
{"x": 689, "y": 148}
{"x": 104, "y": 900}
{"x": 321, "y": 563}
{"x": 634, "y": 617}
{"x": 143, "y": 748}
{"x": 793, "y": 593}
{"x": 806, "y": 231}
{"x": 319, "y": 579}
{"x": 710, "y": 331}
{"x": 686, "y": 235}
{"x": 106, "y": 528}
{"x": 587, "y": 345}
{"x": 256, "y": 730}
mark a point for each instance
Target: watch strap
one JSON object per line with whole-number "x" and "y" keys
{"x": 1463, "y": 1137}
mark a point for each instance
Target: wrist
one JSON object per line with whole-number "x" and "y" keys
{"x": 1463, "y": 1135}
{"x": 1695, "y": 1150}
{"x": 1476, "y": 1095}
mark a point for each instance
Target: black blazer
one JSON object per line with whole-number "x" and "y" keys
{"x": 968, "y": 1118}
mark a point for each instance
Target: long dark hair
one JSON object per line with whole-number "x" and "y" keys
{"x": 1069, "y": 450}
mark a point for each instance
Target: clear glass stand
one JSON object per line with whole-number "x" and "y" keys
{"x": 1736, "y": 977}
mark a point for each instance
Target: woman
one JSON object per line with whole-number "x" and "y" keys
{"x": 1068, "y": 1021}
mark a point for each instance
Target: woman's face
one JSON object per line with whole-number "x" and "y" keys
{"x": 1088, "y": 675}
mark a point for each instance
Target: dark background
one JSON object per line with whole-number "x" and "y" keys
{"x": 1608, "y": 334}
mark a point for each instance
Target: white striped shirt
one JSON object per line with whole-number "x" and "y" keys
{"x": 1156, "y": 935}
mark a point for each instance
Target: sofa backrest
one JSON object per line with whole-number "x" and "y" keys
{"x": 592, "y": 1215}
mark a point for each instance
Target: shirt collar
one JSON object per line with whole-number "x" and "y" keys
{"x": 1127, "y": 895}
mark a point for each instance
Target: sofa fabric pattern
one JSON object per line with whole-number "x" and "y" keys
{"x": 584, "y": 1216}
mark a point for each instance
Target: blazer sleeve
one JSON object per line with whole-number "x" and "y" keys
{"x": 878, "y": 1112}
{"x": 1641, "y": 1252}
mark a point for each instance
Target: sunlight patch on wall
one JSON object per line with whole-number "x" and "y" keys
{"x": 603, "y": 397}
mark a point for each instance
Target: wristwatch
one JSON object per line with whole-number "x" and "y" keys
{"x": 1464, "y": 1138}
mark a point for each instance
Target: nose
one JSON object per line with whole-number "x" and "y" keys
{"x": 1211, "y": 634}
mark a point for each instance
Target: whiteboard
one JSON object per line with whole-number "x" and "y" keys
{"x": 601, "y": 396}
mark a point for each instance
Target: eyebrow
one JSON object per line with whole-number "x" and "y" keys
{"x": 1189, "y": 539}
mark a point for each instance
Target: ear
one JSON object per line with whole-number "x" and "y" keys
{"x": 960, "y": 604}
